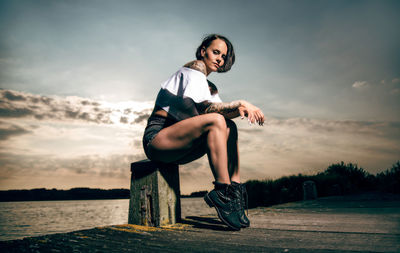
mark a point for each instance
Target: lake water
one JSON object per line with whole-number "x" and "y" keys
{"x": 33, "y": 218}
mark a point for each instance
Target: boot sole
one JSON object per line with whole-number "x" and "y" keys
{"x": 210, "y": 203}
{"x": 244, "y": 225}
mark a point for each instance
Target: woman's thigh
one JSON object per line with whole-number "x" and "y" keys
{"x": 180, "y": 139}
{"x": 198, "y": 149}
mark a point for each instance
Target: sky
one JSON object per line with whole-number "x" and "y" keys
{"x": 78, "y": 80}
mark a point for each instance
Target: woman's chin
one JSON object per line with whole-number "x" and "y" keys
{"x": 214, "y": 69}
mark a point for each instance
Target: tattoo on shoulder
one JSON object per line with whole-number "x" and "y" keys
{"x": 197, "y": 65}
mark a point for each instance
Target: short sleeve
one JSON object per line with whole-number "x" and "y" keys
{"x": 188, "y": 83}
{"x": 184, "y": 94}
{"x": 215, "y": 98}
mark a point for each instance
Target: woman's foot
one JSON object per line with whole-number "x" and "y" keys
{"x": 240, "y": 192}
{"x": 224, "y": 201}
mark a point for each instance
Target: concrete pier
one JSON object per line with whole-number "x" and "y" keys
{"x": 362, "y": 223}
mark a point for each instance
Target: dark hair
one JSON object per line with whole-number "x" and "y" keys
{"x": 230, "y": 54}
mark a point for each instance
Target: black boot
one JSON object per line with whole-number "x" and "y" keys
{"x": 223, "y": 199}
{"x": 240, "y": 192}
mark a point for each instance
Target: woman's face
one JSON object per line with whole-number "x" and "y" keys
{"x": 214, "y": 55}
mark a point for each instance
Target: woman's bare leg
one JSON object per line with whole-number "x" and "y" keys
{"x": 173, "y": 142}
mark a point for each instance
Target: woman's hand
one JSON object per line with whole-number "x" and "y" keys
{"x": 253, "y": 113}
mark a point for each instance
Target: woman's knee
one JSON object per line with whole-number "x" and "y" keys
{"x": 218, "y": 121}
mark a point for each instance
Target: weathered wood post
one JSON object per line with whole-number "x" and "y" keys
{"x": 155, "y": 194}
{"x": 309, "y": 190}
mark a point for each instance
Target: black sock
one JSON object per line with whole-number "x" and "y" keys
{"x": 219, "y": 185}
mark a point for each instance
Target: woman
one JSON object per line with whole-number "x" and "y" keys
{"x": 190, "y": 120}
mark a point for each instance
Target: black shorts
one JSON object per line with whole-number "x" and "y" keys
{"x": 155, "y": 124}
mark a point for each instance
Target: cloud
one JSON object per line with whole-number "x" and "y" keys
{"x": 395, "y": 91}
{"x": 295, "y": 145}
{"x": 359, "y": 84}
{"x": 16, "y": 104}
{"x": 91, "y": 143}
{"x": 93, "y": 157}
{"x": 141, "y": 116}
{"x": 8, "y": 130}
{"x": 110, "y": 171}
{"x": 113, "y": 165}
{"x": 392, "y": 86}
{"x": 12, "y": 96}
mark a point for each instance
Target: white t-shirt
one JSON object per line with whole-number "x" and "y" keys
{"x": 186, "y": 94}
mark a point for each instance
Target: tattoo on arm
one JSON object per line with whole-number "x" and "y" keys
{"x": 223, "y": 108}
{"x": 197, "y": 65}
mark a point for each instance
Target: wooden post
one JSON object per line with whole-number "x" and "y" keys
{"x": 155, "y": 194}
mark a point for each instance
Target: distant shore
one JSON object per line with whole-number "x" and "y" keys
{"x": 337, "y": 179}
{"x": 42, "y": 194}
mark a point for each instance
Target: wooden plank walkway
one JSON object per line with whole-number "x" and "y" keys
{"x": 367, "y": 223}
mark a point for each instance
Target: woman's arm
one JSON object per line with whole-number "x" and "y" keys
{"x": 229, "y": 110}
{"x": 233, "y": 109}
{"x": 237, "y": 108}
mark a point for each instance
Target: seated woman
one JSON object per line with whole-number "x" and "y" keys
{"x": 190, "y": 120}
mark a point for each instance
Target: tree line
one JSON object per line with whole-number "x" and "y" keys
{"x": 337, "y": 179}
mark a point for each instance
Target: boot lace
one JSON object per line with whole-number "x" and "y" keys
{"x": 235, "y": 203}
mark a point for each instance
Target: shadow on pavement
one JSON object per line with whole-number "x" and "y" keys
{"x": 205, "y": 223}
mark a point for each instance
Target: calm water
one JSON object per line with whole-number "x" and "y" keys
{"x": 33, "y": 218}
